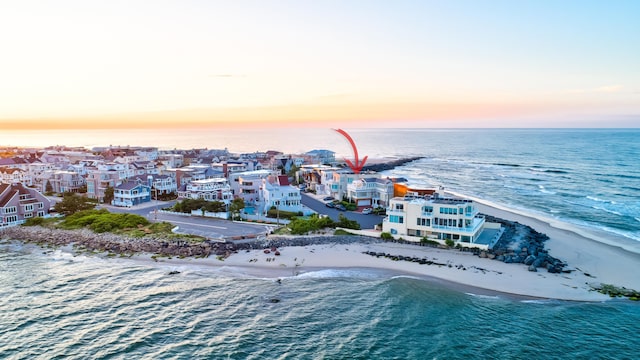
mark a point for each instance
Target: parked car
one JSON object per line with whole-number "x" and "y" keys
{"x": 341, "y": 207}
{"x": 328, "y": 198}
{"x": 367, "y": 211}
{"x": 330, "y": 204}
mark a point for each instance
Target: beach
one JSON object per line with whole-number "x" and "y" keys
{"x": 590, "y": 262}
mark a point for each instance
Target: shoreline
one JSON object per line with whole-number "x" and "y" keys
{"x": 592, "y": 262}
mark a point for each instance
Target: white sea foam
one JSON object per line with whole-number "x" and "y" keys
{"x": 493, "y": 297}
{"x": 607, "y": 210}
{"x": 337, "y": 273}
{"x": 600, "y": 200}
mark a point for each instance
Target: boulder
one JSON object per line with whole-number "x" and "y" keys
{"x": 529, "y": 260}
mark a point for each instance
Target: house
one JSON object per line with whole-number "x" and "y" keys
{"x": 247, "y": 184}
{"x": 172, "y": 160}
{"x": 321, "y": 157}
{"x": 64, "y": 181}
{"x": 216, "y": 189}
{"x": 15, "y": 175}
{"x": 371, "y": 191}
{"x": 337, "y": 186}
{"x": 131, "y": 193}
{"x": 15, "y": 162}
{"x": 18, "y": 203}
{"x": 98, "y": 180}
{"x": 438, "y": 218}
{"x": 143, "y": 167}
{"x": 278, "y": 193}
{"x": 160, "y": 184}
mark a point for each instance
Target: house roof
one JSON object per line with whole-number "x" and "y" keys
{"x": 283, "y": 180}
{"x": 8, "y": 191}
{"x": 129, "y": 185}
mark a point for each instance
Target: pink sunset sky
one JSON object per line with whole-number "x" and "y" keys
{"x": 94, "y": 64}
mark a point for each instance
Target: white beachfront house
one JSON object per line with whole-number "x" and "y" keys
{"x": 371, "y": 191}
{"x": 338, "y": 185}
{"x": 247, "y": 184}
{"x": 278, "y": 193}
{"x": 438, "y": 218}
{"x": 216, "y": 189}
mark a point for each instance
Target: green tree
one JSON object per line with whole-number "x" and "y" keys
{"x": 72, "y": 203}
{"x": 108, "y": 195}
{"x": 292, "y": 173}
{"x": 236, "y": 206}
{"x": 48, "y": 188}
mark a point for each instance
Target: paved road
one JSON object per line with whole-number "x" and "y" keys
{"x": 365, "y": 221}
{"x": 213, "y": 228}
{"x": 210, "y": 228}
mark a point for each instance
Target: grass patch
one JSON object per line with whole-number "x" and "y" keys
{"x": 342, "y": 232}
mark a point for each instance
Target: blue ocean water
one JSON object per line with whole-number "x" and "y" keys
{"x": 586, "y": 177}
{"x": 55, "y": 305}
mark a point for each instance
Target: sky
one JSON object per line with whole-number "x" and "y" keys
{"x": 454, "y": 63}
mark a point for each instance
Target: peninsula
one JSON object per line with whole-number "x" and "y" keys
{"x": 558, "y": 263}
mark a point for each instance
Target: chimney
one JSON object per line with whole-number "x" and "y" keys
{"x": 225, "y": 169}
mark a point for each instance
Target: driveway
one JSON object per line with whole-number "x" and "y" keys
{"x": 365, "y": 221}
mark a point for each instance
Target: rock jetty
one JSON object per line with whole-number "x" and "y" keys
{"x": 388, "y": 165}
{"x": 522, "y": 244}
{"x": 85, "y": 239}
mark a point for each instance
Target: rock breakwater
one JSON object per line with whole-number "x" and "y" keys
{"x": 107, "y": 242}
{"x": 388, "y": 165}
{"x": 522, "y": 244}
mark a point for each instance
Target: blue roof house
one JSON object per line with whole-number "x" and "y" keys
{"x": 131, "y": 193}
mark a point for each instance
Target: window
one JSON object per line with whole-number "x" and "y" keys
{"x": 11, "y": 219}
{"x": 11, "y": 210}
{"x": 399, "y": 206}
{"x": 28, "y": 215}
{"x": 396, "y": 219}
{"x": 28, "y": 207}
{"x": 40, "y": 205}
{"x": 427, "y": 209}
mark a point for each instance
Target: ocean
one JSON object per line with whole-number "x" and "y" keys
{"x": 57, "y": 305}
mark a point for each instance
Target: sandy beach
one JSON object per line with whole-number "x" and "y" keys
{"x": 592, "y": 262}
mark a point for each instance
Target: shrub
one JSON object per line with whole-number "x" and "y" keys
{"x": 103, "y": 221}
{"x": 34, "y": 221}
{"x": 427, "y": 241}
{"x": 344, "y": 222}
{"x": 386, "y": 236}
{"x": 188, "y": 205}
{"x": 313, "y": 223}
{"x": 274, "y": 213}
{"x": 449, "y": 242}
